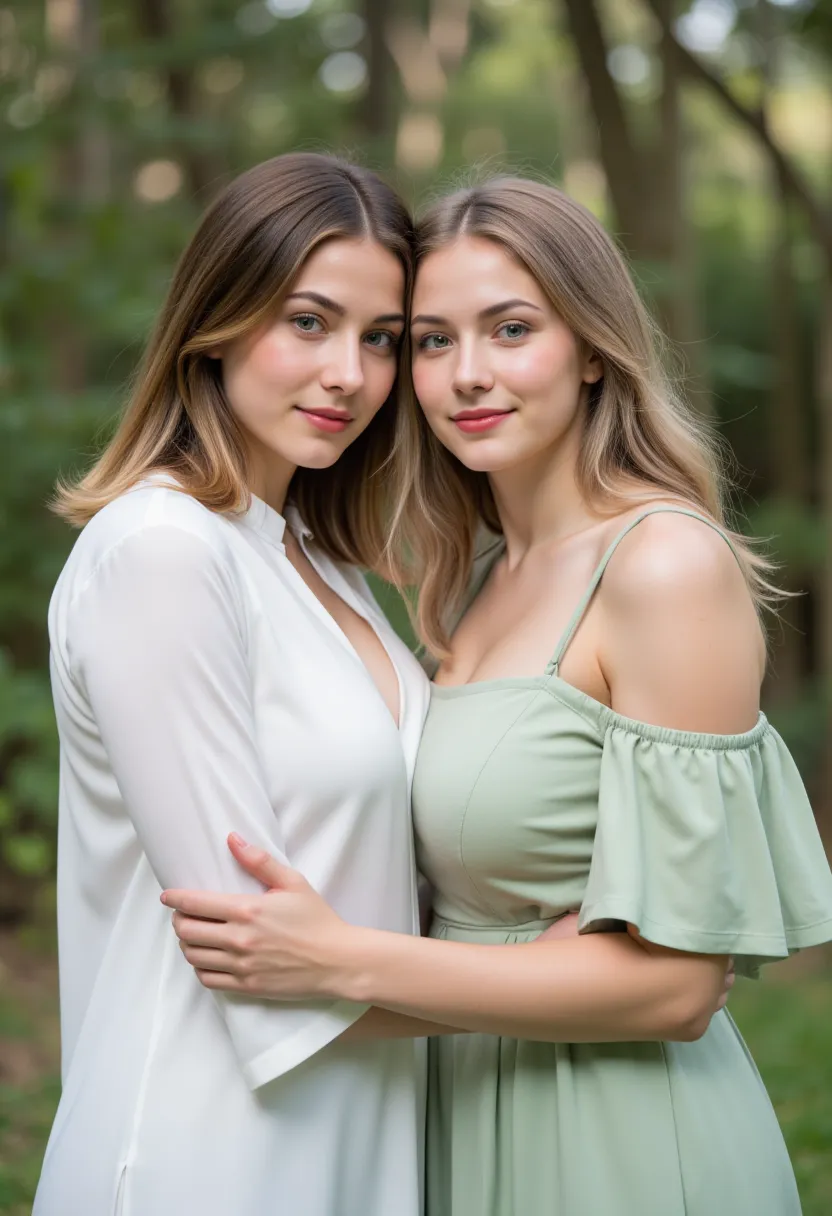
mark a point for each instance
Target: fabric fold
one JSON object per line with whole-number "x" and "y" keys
{"x": 707, "y": 843}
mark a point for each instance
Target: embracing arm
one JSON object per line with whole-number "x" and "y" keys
{"x": 606, "y": 987}
{"x": 682, "y": 649}
{"x": 596, "y": 988}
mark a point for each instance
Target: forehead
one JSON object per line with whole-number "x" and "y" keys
{"x": 352, "y": 272}
{"x": 471, "y": 274}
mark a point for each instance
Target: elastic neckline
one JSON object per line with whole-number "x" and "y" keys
{"x": 601, "y": 717}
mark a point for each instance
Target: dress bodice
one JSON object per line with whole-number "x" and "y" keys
{"x": 531, "y": 798}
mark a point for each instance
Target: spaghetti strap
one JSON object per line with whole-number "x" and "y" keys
{"x": 586, "y": 599}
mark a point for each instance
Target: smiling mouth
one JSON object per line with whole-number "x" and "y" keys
{"x": 474, "y": 421}
{"x": 332, "y": 421}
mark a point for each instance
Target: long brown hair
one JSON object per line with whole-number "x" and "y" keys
{"x": 247, "y": 250}
{"x": 640, "y": 440}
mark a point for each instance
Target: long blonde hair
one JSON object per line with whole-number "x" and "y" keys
{"x": 246, "y": 252}
{"x": 640, "y": 440}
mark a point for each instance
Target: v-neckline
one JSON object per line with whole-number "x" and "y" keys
{"x": 346, "y": 594}
{"x": 264, "y": 519}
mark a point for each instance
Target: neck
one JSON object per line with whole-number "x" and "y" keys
{"x": 269, "y": 477}
{"x": 540, "y": 501}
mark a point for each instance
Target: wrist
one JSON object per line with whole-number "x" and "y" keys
{"x": 354, "y": 966}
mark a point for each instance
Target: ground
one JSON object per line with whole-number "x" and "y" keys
{"x": 786, "y": 1020}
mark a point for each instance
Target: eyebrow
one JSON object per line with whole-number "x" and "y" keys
{"x": 338, "y": 309}
{"x": 493, "y": 310}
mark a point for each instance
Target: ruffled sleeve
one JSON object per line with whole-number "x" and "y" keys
{"x": 707, "y": 843}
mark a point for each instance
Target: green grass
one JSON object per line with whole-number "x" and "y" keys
{"x": 788, "y": 1027}
{"x": 25, "y": 1118}
{"x": 787, "y": 1024}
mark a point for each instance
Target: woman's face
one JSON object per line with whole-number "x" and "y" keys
{"x": 310, "y": 380}
{"x": 500, "y": 377}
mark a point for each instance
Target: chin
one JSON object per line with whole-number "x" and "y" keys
{"x": 319, "y": 454}
{"x": 485, "y": 457}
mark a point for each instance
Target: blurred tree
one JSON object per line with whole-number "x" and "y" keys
{"x": 645, "y": 166}
{"x": 205, "y": 168}
{"x": 788, "y": 411}
{"x": 792, "y": 185}
{"x": 378, "y": 107}
{"x": 119, "y": 119}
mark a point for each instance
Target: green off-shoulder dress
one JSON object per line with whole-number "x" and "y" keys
{"x": 531, "y": 799}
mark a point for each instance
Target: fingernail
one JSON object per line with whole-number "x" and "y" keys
{"x": 238, "y": 840}
{"x": 164, "y": 897}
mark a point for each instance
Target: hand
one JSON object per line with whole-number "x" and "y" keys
{"x": 283, "y": 945}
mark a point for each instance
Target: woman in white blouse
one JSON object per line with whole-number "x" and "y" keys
{"x": 219, "y": 665}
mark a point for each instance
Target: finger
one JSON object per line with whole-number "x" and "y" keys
{"x": 211, "y": 960}
{"x": 219, "y": 981}
{"x": 260, "y": 864}
{"x": 215, "y": 934}
{"x": 210, "y": 905}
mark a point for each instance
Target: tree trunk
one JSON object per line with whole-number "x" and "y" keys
{"x": 818, "y": 216}
{"x": 378, "y": 118}
{"x": 680, "y": 306}
{"x": 204, "y": 169}
{"x": 425, "y": 56}
{"x": 646, "y": 185}
{"x": 788, "y": 446}
{"x": 622, "y": 160}
{"x": 81, "y": 170}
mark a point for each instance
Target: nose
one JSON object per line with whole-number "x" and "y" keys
{"x": 344, "y": 372}
{"x": 472, "y": 373}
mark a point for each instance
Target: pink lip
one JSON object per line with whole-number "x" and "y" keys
{"x": 327, "y": 420}
{"x": 472, "y": 422}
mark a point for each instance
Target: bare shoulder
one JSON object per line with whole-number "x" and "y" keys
{"x": 670, "y": 559}
{"x": 683, "y": 644}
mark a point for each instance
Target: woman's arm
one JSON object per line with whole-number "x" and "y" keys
{"x": 682, "y": 649}
{"x": 158, "y": 642}
{"x": 605, "y": 987}
{"x": 600, "y": 987}
{"x": 380, "y": 1023}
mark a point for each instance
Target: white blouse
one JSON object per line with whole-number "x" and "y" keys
{"x": 201, "y": 688}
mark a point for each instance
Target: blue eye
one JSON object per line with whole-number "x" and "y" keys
{"x": 380, "y": 339}
{"x": 434, "y": 342}
{"x": 513, "y": 330}
{"x": 306, "y": 322}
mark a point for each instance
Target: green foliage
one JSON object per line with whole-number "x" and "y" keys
{"x": 83, "y": 268}
{"x": 91, "y": 226}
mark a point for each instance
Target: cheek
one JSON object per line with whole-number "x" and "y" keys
{"x": 534, "y": 369}
{"x": 379, "y": 378}
{"x": 280, "y": 359}
{"x": 431, "y": 384}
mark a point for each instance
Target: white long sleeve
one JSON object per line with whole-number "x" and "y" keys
{"x": 158, "y": 643}
{"x": 200, "y": 688}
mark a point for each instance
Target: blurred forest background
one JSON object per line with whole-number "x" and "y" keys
{"x": 701, "y": 132}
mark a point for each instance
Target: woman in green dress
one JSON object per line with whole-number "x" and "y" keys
{"x": 594, "y": 743}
